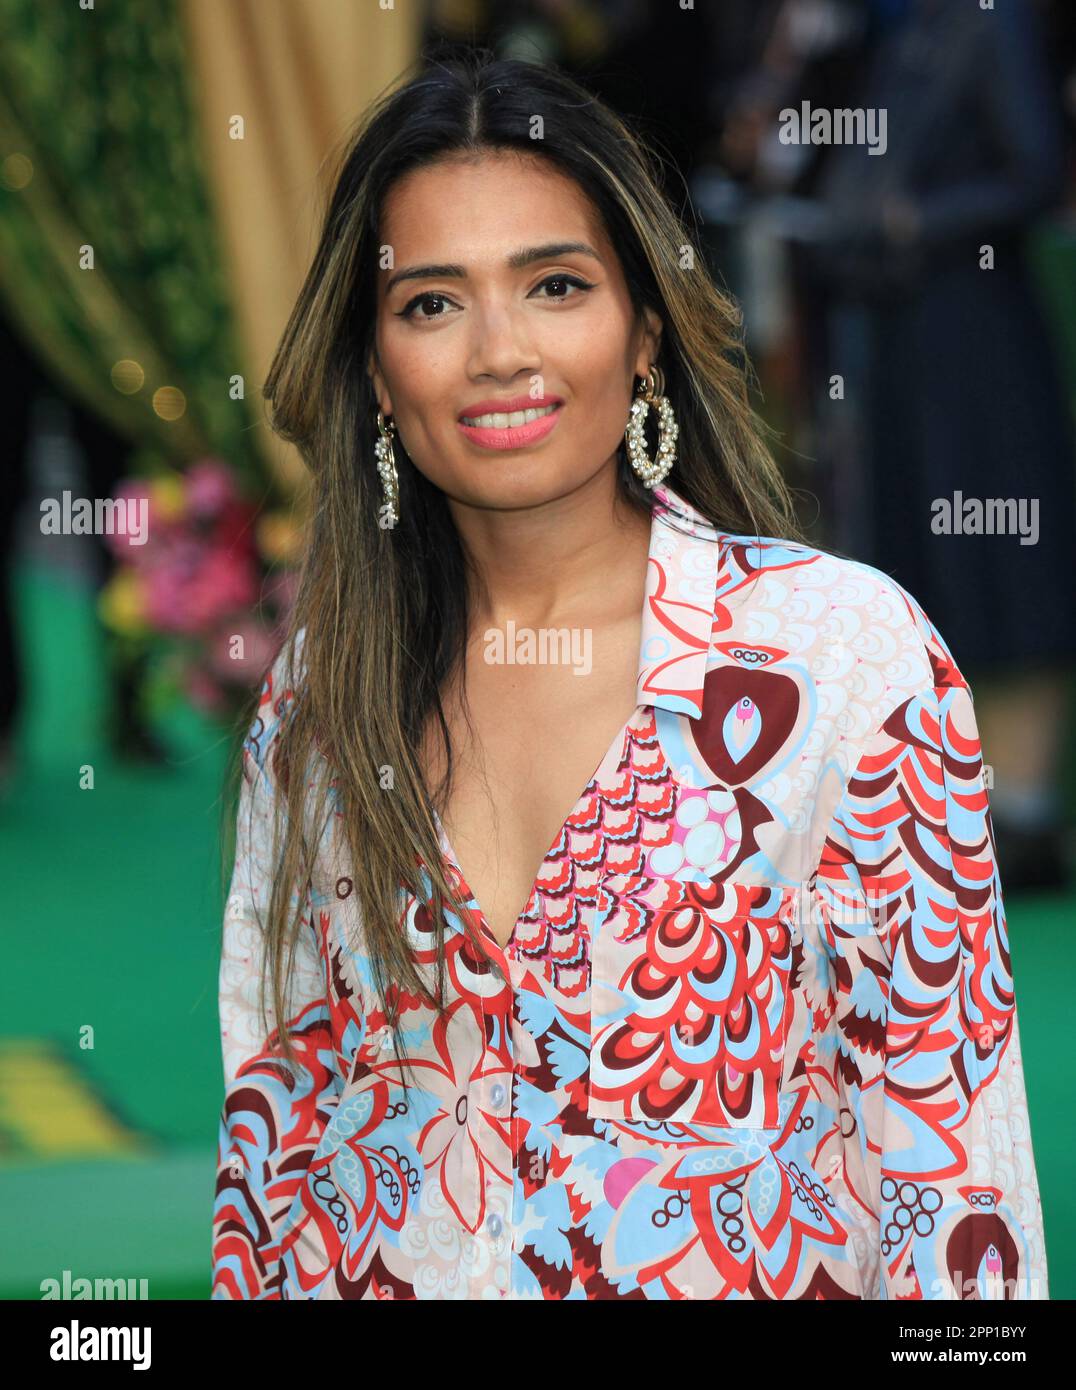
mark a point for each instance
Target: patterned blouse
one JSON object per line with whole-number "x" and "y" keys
{"x": 753, "y": 1036}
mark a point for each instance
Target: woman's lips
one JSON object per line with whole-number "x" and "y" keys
{"x": 511, "y": 437}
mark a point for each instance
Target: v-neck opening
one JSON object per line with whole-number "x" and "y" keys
{"x": 616, "y": 746}
{"x": 668, "y": 640}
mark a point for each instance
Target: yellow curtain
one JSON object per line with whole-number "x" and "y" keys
{"x": 299, "y": 73}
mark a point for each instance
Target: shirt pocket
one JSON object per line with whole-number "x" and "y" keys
{"x": 691, "y": 1000}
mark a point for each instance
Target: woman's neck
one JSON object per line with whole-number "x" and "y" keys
{"x": 580, "y": 554}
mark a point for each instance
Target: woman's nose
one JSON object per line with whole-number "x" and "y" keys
{"x": 502, "y": 344}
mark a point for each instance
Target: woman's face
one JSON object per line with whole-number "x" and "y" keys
{"x": 462, "y": 333}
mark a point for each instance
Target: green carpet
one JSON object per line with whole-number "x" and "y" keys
{"x": 112, "y": 909}
{"x": 111, "y": 912}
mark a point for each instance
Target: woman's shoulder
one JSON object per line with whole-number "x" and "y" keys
{"x": 831, "y": 606}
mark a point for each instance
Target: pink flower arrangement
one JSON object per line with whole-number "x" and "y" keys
{"x": 198, "y": 578}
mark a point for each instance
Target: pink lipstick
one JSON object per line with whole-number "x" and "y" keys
{"x": 487, "y": 423}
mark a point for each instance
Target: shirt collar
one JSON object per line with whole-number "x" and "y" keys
{"x": 678, "y": 611}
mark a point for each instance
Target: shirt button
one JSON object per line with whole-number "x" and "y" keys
{"x": 493, "y": 1224}
{"x": 496, "y": 1095}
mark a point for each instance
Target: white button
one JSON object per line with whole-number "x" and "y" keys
{"x": 497, "y": 1094}
{"x": 493, "y": 1224}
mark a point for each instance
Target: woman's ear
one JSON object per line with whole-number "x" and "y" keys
{"x": 384, "y": 400}
{"x": 650, "y": 342}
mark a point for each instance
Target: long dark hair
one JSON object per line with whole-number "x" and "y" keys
{"x": 385, "y": 611}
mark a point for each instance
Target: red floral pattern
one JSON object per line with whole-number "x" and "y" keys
{"x": 697, "y": 982}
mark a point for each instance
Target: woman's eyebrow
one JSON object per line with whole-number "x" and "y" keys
{"x": 516, "y": 261}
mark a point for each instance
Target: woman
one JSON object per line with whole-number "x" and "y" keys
{"x": 719, "y": 1008}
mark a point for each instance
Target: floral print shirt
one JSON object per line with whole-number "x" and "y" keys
{"x": 754, "y": 1035}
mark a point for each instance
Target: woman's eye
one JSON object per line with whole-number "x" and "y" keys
{"x": 565, "y": 280}
{"x": 408, "y": 311}
{"x": 430, "y": 297}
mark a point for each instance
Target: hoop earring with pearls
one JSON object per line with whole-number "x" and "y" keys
{"x": 650, "y": 393}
